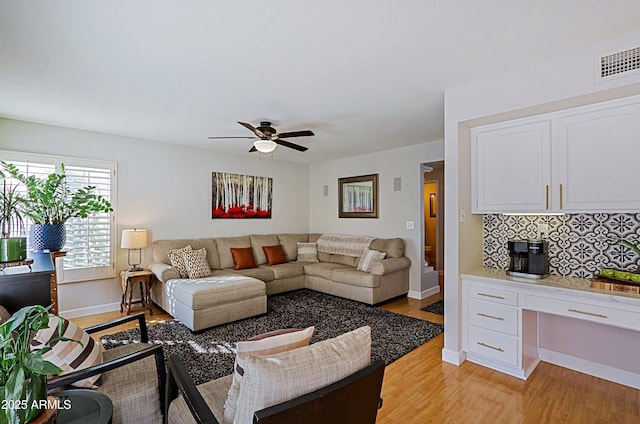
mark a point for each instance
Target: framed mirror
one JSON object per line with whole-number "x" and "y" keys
{"x": 358, "y": 197}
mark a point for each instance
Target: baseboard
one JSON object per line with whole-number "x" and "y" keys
{"x": 453, "y": 357}
{"x": 606, "y": 372}
{"x": 91, "y": 310}
{"x": 423, "y": 294}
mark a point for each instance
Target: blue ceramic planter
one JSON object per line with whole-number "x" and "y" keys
{"x": 47, "y": 236}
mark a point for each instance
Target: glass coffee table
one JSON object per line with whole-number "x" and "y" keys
{"x": 83, "y": 406}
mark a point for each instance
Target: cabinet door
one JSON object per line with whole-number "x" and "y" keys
{"x": 598, "y": 159}
{"x": 511, "y": 167}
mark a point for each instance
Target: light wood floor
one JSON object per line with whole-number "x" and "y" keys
{"x": 420, "y": 388}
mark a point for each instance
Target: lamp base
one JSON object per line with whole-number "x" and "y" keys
{"x": 134, "y": 268}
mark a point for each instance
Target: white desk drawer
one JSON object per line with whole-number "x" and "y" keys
{"x": 493, "y": 345}
{"x": 605, "y": 315}
{"x": 493, "y": 317}
{"x": 495, "y": 295}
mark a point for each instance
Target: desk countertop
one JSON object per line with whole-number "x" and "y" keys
{"x": 551, "y": 282}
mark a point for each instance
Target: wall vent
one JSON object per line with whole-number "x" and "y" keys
{"x": 619, "y": 64}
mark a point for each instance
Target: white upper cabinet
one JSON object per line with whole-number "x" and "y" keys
{"x": 599, "y": 159}
{"x": 577, "y": 160}
{"x": 512, "y": 164}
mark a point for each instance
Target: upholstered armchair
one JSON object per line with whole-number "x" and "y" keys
{"x": 133, "y": 376}
{"x": 331, "y": 381}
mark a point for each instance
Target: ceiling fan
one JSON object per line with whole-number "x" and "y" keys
{"x": 268, "y": 138}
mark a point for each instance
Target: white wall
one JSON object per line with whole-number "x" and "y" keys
{"x": 555, "y": 84}
{"x": 395, "y": 207}
{"x": 164, "y": 188}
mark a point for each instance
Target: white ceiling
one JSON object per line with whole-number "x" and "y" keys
{"x": 363, "y": 75}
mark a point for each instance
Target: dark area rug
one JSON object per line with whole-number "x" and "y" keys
{"x": 435, "y": 308}
{"x": 210, "y": 354}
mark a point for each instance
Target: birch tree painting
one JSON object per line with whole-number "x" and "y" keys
{"x": 240, "y": 196}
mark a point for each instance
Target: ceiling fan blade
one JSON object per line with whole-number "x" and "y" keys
{"x": 305, "y": 133}
{"x": 253, "y": 149}
{"x": 214, "y": 138}
{"x": 290, "y": 145}
{"x": 253, "y": 129}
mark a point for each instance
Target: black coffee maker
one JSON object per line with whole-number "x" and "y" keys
{"x": 528, "y": 258}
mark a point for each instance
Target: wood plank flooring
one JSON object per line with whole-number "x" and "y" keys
{"x": 420, "y": 388}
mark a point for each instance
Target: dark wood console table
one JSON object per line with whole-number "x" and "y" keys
{"x": 21, "y": 286}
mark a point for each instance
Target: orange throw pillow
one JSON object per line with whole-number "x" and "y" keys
{"x": 242, "y": 258}
{"x": 275, "y": 255}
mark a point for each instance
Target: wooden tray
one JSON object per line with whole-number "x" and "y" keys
{"x": 26, "y": 262}
{"x": 602, "y": 278}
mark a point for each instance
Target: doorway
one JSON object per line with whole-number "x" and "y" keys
{"x": 433, "y": 218}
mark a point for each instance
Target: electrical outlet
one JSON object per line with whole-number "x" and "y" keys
{"x": 543, "y": 231}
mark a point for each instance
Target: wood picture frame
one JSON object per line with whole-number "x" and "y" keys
{"x": 433, "y": 206}
{"x": 358, "y": 196}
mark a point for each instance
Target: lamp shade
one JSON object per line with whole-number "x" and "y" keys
{"x": 134, "y": 239}
{"x": 265, "y": 146}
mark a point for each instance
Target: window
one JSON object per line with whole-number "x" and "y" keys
{"x": 90, "y": 242}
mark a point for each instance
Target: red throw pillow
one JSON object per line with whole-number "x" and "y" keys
{"x": 275, "y": 255}
{"x": 242, "y": 258}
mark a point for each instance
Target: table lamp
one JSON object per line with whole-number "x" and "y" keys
{"x": 134, "y": 239}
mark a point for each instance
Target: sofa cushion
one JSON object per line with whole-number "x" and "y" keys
{"x": 224, "y": 248}
{"x": 323, "y": 269}
{"x": 177, "y": 260}
{"x": 214, "y": 290}
{"x": 78, "y": 353}
{"x": 307, "y": 252}
{"x": 338, "y": 259}
{"x": 196, "y": 263}
{"x": 214, "y": 393}
{"x": 160, "y": 248}
{"x": 274, "y": 254}
{"x": 260, "y": 240}
{"x": 289, "y": 243}
{"x": 354, "y": 277}
{"x": 393, "y": 247}
{"x": 242, "y": 258}
{"x": 287, "y": 270}
{"x": 367, "y": 258}
{"x": 272, "y": 379}
{"x": 263, "y": 273}
{"x": 264, "y": 344}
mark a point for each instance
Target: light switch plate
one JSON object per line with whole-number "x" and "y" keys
{"x": 410, "y": 225}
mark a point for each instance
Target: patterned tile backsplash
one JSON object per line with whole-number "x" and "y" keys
{"x": 577, "y": 242}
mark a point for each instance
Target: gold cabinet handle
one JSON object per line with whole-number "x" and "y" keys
{"x": 588, "y": 313}
{"x": 560, "y": 196}
{"x": 490, "y": 316}
{"x": 547, "y": 197}
{"x": 499, "y": 349}
{"x": 490, "y": 295}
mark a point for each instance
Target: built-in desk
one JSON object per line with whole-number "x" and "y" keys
{"x": 510, "y": 324}
{"x": 22, "y": 286}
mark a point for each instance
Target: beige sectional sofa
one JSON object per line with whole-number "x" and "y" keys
{"x": 201, "y": 303}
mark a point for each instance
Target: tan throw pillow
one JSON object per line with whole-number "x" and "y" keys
{"x": 263, "y": 344}
{"x": 367, "y": 259}
{"x": 177, "y": 260}
{"x": 196, "y": 263}
{"x": 243, "y": 258}
{"x": 307, "y": 252}
{"x": 274, "y": 254}
{"x": 69, "y": 355}
{"x": 272, "y": 379}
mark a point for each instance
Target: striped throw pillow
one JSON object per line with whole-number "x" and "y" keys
{"x": 264, "y": 344}
{"x": 69, "y": 355}
{"x": 307, "y": 252}
{"x": 367, "y": 259}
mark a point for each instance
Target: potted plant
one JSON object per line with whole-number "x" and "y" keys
{"x": 50, "y": 202}
{"x": 23, "y": 372}
{"x": 13, "y": 243}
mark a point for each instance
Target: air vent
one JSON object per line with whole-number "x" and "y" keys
{"x": 620, "y": 64}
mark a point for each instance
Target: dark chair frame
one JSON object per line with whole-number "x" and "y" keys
{"x": 352, "y": 400}
{"x": 155, "y": 350}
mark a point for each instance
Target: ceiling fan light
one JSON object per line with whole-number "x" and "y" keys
{"x": 265, "y": 146}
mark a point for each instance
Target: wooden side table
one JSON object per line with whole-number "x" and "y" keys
{"x": 128, "y": 281}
